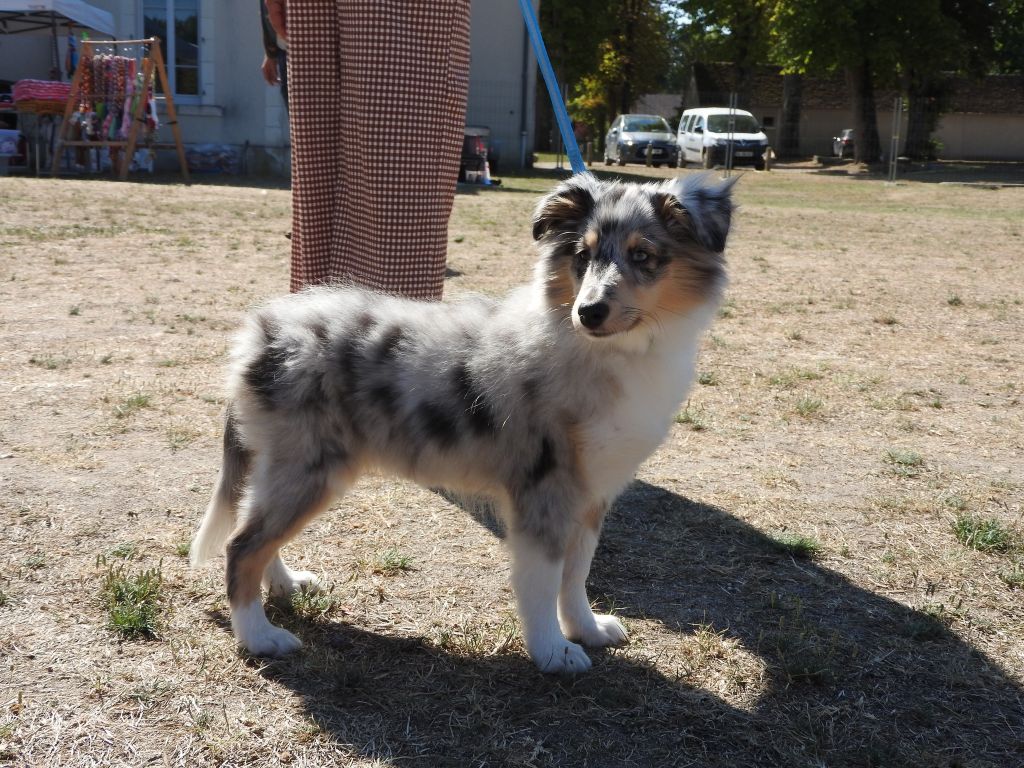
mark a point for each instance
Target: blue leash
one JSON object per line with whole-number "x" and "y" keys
{"x": 561, "y": 115}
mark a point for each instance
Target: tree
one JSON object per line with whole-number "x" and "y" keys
{"x": 1008, "y": 36}
{"x": 938, "y": 37}
{"x": 855, "y": 37}
{"x": 611, "y": 51}
{"x": 734, "y": 31}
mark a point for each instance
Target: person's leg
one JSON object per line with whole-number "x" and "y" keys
{"x": 314, "y": 108}
{"x": 405, "y": 76}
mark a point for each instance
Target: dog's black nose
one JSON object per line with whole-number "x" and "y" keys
{"x": 592, "y": 315}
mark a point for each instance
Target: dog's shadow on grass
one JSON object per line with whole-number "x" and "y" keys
{"x": 837, "y": 675}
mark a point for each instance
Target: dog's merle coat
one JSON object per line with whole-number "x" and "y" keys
{"x": 547, "y": 401}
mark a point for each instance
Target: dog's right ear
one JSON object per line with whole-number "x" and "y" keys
{"x": 565, "y": 209}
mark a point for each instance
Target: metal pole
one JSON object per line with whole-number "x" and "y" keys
{"x": 729, "y": 148}
{"x": 557, "y": 103}
{"x": 894, "y": 142}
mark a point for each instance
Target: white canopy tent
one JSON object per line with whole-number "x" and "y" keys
{"x": 17, "y": 16}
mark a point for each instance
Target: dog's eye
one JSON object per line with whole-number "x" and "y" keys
{"x": 583, "y": 254}
{"x": 639, "y": 257}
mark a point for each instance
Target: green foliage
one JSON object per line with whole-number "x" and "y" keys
{"x": 133, "y": 601}
{"x": 983, "y": 534}
{"x": 609, "y": 52}
{"x": 797, "y": 545}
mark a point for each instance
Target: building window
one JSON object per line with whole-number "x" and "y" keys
{"x": 179, "y": 46}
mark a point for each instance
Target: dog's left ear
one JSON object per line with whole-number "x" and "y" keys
{"x": 565, "y": 209}
{"x": 690, "y": 207}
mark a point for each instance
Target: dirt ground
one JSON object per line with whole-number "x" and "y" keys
{"x": 860, "y": 389}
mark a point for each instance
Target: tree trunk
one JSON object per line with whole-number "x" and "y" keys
{"x": 866, "y": 148}
{"x": 789, "y": 131}
{"x": 926, "y": 96}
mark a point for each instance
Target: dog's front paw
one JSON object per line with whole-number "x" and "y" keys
{"x": 257, "y": 635}
{"x": 272, "y": 641}
{"x": 562, "y": 658}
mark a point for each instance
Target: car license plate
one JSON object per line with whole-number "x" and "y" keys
{"x": 744, "y": 154}
{"x": 658, "y": 152}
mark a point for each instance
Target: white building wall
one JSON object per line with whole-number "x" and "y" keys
{"x": 498, "y": 43}
{"x": 236, "y": 107}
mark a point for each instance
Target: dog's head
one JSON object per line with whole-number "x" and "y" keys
{"x": 622, "y": 257}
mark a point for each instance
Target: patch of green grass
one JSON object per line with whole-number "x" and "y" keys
{"x": 708, "y": 379}
{"x": 1012, "y": 576}
{"x": 955, "y": 301}
{"x": 131, "y": 405}
{"x": 182, "y": 548}
{"x": 798, "y": 648}
{"x": 905, "y": 463}
{"x": 984, "y": 534}
{"x": 75, "y": 311}
{"x": 391, "y": 561}
{"x": 473, "y": 640}
{"x": 956, "y": 502}
{"x": 125, "y": 551}
{"x": 928, "y": 622}
{"x": 693, "y": 418}
{"x": 797, "y": 545}
{"x": 795, "y": 336}
{"x": 179, "y": 437}
{"x": 789, "y": 378}
{"x": 50, "y": 363}
{"x": 134, "y": 601}
{"x": 808, "y": 406}
{"x": 314, "y": 604}
{"x": 35, "y": 562}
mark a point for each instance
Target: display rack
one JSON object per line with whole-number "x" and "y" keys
{"x": 122, "y": 149}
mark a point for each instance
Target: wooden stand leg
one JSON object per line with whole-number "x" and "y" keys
{"x": 172, "y": 113}
{"x": 73, "y": 96}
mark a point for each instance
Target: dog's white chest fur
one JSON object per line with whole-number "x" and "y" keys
{"x": 635, "y": 424}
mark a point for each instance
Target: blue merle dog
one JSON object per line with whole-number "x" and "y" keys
{"x": 546, "y": 401}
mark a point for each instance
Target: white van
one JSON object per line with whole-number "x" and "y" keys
{"x": 704, "y": 137}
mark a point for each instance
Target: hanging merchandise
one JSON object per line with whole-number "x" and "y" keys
{"x": 110, "y": 117}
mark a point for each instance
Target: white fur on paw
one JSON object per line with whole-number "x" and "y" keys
{"x": 607, "y": 631}
{"x": 257, "y": 635}
{"x": 273, "y": 641}
{"x": 562, "y": 657}
{"x": 598, "y": 630}
{"x": 295, "y": 582}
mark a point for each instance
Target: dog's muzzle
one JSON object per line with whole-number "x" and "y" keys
{"x": 592, "y": 316}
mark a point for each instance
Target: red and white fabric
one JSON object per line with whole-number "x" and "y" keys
{"x": 40, "y": 90}
{"x": 377, "y": 97}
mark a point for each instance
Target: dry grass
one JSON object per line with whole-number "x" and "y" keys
{"x": 861, "y": 388}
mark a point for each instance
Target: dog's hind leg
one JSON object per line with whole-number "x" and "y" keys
{"x": 219, "y": 520}
{"x": 284, "y": 496}
{"x": 578, "y": 620}
{"x": 536, "y": 575}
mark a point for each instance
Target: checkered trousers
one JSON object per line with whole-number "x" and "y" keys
{"x": 377, "y": 93}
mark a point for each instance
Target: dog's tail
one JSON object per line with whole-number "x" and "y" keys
{"x": 219, "y": 520}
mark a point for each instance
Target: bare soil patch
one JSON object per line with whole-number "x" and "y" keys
{"x": 787, "y": 563}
